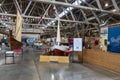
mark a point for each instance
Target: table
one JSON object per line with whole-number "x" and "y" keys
{"x": 9, "y": 54}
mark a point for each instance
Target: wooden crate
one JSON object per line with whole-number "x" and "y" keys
{"x": 60, "y": 59}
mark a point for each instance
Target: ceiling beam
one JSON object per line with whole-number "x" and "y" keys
{"x": 115, "y": 5}
{"x": 27, "y": 7}
{"x": 32, "y": 8}
{"x": 31, "y": 33}
{"x": 45, "y": 13}
{"x": 64, "y": 20}
{"x": 96, "y": 17}
{"x": 73, "y": 17}
{"x": 98, "y": 3}
{"x": 17, "y": 6}
{"x": 75, "y": 6}
{"x": 84, "y": 15}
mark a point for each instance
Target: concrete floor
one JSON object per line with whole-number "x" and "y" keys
{"x": 31, "y": 69}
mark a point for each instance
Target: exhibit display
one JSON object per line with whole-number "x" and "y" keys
{"x": 59, "y": 39}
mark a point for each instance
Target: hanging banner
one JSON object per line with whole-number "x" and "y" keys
{"x": 18, "y": 28}
{"x": 77, "y": 44}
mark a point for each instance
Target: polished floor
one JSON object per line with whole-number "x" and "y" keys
{"x": 29, "y": 68}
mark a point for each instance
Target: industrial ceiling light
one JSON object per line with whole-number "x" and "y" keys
{"x": 106, "y": 4}
{"x": 5, "y": 12}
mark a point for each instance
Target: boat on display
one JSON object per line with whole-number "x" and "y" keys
{"x": 58, "y": 49}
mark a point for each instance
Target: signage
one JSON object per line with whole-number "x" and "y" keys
{"x": 77, "y": 44}
{"x": 114, "y": 39}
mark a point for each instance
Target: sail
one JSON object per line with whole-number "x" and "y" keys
{"x": 18, "y": 28}
{"x": 58, "y": 40}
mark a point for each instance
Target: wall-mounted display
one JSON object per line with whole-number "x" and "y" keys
{"x": 114, "y": 39}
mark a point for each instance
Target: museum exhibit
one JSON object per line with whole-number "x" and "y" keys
{"x": 59, "y": 39}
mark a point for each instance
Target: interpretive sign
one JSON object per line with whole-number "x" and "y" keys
{"x": 77, "y": 44}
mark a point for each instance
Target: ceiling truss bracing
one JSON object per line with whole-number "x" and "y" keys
{"x": 98, "y": 3}
{"x": 45, "y": 13}
{"x": 17, "y": 6}
{"x": 115, "y": 5}
{"x": 75, "y": 6}
{"x": 96, "y": 17}
{"x": 27, "y": 7}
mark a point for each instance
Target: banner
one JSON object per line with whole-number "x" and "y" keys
{"x": 18, "y": 28}
{"x": 77, "y": 44}
{"x": 114, "y": 39}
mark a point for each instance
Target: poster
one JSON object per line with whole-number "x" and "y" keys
{"x": 77, "y": 44}
{"x": 104, "y": 31}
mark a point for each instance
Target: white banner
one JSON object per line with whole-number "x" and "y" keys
{"x": 77, "y": 44}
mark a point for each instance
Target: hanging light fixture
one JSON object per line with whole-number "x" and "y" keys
{"x": 106, "y": 4}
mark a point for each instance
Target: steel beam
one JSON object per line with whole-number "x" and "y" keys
{"x": 2, "y": 2}
{"x": 1, "y": 10}
{"x": 17, "y": 6}
{"x": 13, "y": 23}
{"x": 96, "y": 17}
{"x": 98, "y": 3}
{"x": 32, "y": 8}
{"x": 1, "y": 7}
{"x": 115, "y": 5}
{"x": 71, "y": 12}
{"x": 10, "y": 9}
{"x": 75, "y": 6}
{"x": 45, "y": 13}
{"x": 72, "y": 15}
{"x": 14, "y": 15}
{"x": 84, "y": 15}
{"x": 27, "y": 7}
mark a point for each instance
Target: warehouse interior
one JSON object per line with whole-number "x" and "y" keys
{"x": 60, "y": 39}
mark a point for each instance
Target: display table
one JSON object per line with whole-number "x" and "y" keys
{"x": 9, "y": 54}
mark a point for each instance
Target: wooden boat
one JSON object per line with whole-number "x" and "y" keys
{"x": 13, "y": 43}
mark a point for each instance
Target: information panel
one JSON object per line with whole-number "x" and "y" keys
{"x": 77, "y": 44}
{"x": 114, "y": 39}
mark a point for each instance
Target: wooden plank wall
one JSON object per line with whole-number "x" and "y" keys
{"x": 106, "y": 60}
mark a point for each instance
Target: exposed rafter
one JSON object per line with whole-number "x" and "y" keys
{"x": 27, "y": 7}
{"x": 75, "y": 6}
{"x": 115, "y": 5}
{"x": 17, "y": 6}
